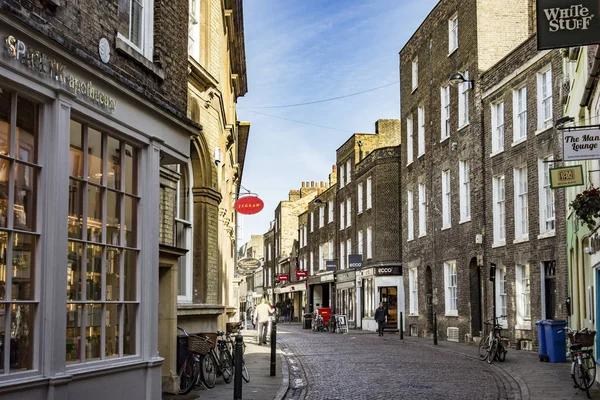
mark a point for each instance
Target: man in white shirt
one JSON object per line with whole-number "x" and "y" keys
{"x": 261, "y": 318}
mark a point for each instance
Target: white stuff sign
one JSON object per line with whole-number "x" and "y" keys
{"x": 567, "y": 23}
{"x": 582, "y": 144}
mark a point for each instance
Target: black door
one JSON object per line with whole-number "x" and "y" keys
{"x": 550, "y": 288}
{"x": 475, "y": 286}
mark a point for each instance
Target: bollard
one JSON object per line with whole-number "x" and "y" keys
{"x": 273, "y": 349}
{"x": 401, "y": 326}
{"x": 237, "y": 365}
{"x": 435, "y": 328}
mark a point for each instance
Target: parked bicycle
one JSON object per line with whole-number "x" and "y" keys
{"x": 318, "y": 325}
{"x": 583, "y": 364}
{"x": 491, "y": 346}
{"x": 195, "y": 363}
{"x": 231, "y": 348}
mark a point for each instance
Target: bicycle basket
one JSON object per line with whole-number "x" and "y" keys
{"x": 199, "y": 344}
{"x": 585, "y": 338}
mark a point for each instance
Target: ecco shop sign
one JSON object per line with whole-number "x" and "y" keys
{"x": 581, "y": 144}
{"x": 567, "y": 23}
{"x": 45, "y": 65}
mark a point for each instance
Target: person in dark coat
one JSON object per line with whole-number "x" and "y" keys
{"x": 380, "y": 317}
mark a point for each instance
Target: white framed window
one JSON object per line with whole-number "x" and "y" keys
{"x": 422, "y": 211}
{"x": 409, "y": 140}
{"x": 269, "y": 252}
{"x": 321, "y": 216}
{"x": 445, "y": 112}
{"x": 330, "y": 250}
{"x": 369, "y": 192}
{"x": 544, "y": 98}
{"x": 421, "y": 131}
{"x": 464, "y": 172}
{"x": 497, "y": 127}
{"x": 446, "y": 218}
{"x": 300, "y": 239}
{"x": 499, "y": 211}
{"x": 342, "y": 216}
{"x": 359, "y": 242}
{"x": 348, "y": 171}
{"x": 413, "y": 284}
{"x": 521, "y": 203}
{"x": 348, "y": 212}
{"x": 463, "y": 101}
{"x": 331, "y": 210}
{"x": 312, "y": 262}
{"x": 311, "y": 215}
{"x": 305, "y": 235}
{"x": 415, "y": 73}
{"x": 501, "y": 297}
{"x": 194, "y": 30}
{"x": 348, "y": 251}
{"x": 452, "y": 34}
{"x": 136, "y": 25}
{"x": 321, "y": 257}
{"x": 451, "y": 284}
{"x": 523, "y": 297}
{"x": 410, "y": 216}
{"x": 519, "y": 114}
{"x": 546, "y": 195}
{"x": 341, "y": 176}
{"x": 183, "y": 226}
{"x": 342, "y": 255}
{"x": 369, "y": 243}
{"x": 359, "y": 198}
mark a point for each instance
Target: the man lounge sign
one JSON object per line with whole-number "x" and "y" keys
{"x": 567, "y": 23}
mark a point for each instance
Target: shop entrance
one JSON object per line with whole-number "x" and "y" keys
{"x": 389, "y": 296}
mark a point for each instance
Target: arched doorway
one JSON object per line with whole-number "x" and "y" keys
{"x": 429, "y": 298}
{"x": 475, "y": 290}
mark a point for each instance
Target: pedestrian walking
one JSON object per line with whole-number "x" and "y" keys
{"x": 261, "y": 320}
{"x": 380, "y": 317}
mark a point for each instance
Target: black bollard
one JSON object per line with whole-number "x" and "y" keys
{"x": 401, "y": 325}
{"x": 435, "y": 328}
{"x": 237, "y": 365}
{"x": 273, "y": 348}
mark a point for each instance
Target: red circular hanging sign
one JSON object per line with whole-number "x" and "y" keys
{"x": 248, "y": 205}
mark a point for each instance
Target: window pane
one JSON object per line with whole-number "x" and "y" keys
{"x": 130, "y": 275}
{"x": 94, "y": 217}
{"x": 129, "y": 328}
{"x": 94, "y": 156}
{"x": 26, "y": 130}
{"x": 74, "y": 270}
{"x": 136, "y": 23}
{"x": 93, "y": 276}
{"x": 113, "y": 174}
{"x": 76, "y": 151}
{"x": 25, "y": 197}
{"x": 130, "y": 221}
{"x": 75, "y": 217}
{"x": 21, "y": 336}
{"x": 3, "y": 337}
{"x": 3, "y": 268}
{"x": 124, "y": 12}
{"x": 23, "y": 267}
{"x": 73, "y": 332}
{"x": 4, "y": 172}
{"x": 113, "y": 217}
{"x": 112, "y": 331}
{"x": 113, "y": 268}
{"x": 130, "y": 170}
{"x": 5, "y": 110}
{"x": 93, "y": 331}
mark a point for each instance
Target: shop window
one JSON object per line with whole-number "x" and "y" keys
{"x": 19, "y": 232}
{"x": 103, "y": 251}
{"x": 183, "y": 226}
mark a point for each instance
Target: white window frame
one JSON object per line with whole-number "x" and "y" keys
{"x": 305, "y": 235}
{"x": 544, "y": 98}
{"x": 444, "y": 112}
{"x": 342, "y": 216}
{"x": 497, "y": 127}
{"x": 546, "y": 196}
{"x": 341, "y": 176}
{"x": 342, "y": 255}
{"x": 348, "y": 251}
{"x": 147, "y": 29}
{"x": 464, "y": 171}
{"x": 369, "y": 192}
{"x": 410, "y": 216}
{"x": 420, "y": 131}
{"x": 452, "y": 34}
{"x": 331, "y": 211}
{"x": 321, "y": 256}
{"x": 446, "y": 200}
{"x": 422, "y": 210}
{"x": 348, "y": 171}
{"x": 523, "y": 296}
{"x": 369, "y": 243}
{"x": 348, "y": 212}
{"x": 451, "y": 288}
{"x": 312, "y": 263}
{"x": 359, "y": 198}
{"x": 415, "y": 73}
{"x": 321, "y": 216}
{"x": 359, "y": 242}
{"x": 463, "y": 102}
{"x": 409, "y": 140}
{"x": 330, "y": 250}
{"x": 413, "y": 284}
{"x": 499, "y": 210}
{"x": 521, "y": 204}
{"x": 186, "y": 262}
{"x": 519, "y": 115}
{"x": 194, "y": 30}
{"x": 501, "y": 296}
{"x": 311, "y": 215}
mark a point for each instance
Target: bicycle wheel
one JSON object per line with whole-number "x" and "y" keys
{"x": 492, "y": 353}
{"x": 187, "y": 375}
{"x": 583, "y": 378}
{"x": 588, "y": 372}
{"x": 501, "y": 352}
{"x": 208, "y": 371}
{"x": 226, "y": 366}
{"x": 484, "y": 347}
{"x": 245, "y": 373}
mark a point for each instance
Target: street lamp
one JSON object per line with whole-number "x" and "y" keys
{"x": 458, "y": 78}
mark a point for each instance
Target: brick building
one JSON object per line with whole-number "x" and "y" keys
{"x": 525, "y": 240}
{"x": 111, "y": 82}
{"x": 442, "y": 184}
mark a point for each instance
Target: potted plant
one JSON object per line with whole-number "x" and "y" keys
{"x": 587, "y": 207}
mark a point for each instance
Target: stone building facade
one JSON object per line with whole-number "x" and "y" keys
{"x": 525, "y": 240}
{"x": 442, "y": 184}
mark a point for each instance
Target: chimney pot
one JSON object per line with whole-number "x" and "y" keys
{"x": 312, "y": 183}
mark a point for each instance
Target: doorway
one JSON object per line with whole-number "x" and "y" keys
{"x": 550, "y": 288}
{"x": 475, "y": 289}
{"x": 429, "y": 299}
{"x": 389, "y": 296}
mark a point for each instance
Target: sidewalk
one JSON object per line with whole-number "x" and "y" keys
{"x": 262, "y": 386}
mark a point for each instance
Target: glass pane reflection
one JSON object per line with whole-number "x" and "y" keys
{"x": 94, "y": 218}
{"x": 4, "y": 173}
{"x": 130, "y": 221}
{"x": 129, "y": 330}
{"x": 130, "y": 271}
{"x": 3, "y": 267}
{"x": 25, "y": 197}
{"x": 113, "y": 217}
{"x": 23, "y": 267}
{"x": 75, "y": 218}
{"x": 76, "y": 151}
{"x": 94, "y": 156}
{"x": 130, "y": 170}
{"x": 93, "y": 276}
{"x": 73, "y": 333}
{"x": 5, "y": 110}
{"x": 111, "y": 348}
{"x": 26, "y": 130}
{"x": 113, "y": 174}
{"x": 74, "y": 271}
{"x": 93, "y": 331}
{"x": 21, "y": 336}
{"x": 113, "y": 267}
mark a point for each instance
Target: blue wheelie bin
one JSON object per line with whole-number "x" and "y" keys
{"x": 556, "y": 342}
{"x": 543, "y": 352}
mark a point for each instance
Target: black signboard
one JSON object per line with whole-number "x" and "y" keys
{"x": 355, "y": 261}
{"x": 567, "y": 23}
{"x": 330, "y": 265}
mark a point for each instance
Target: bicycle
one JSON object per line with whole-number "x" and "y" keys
{"x": 231, "y": 349}
{"x": 195, "y": 363}
{"x": 583, "y": 364}
{"x": 223, "y": 359}
{"x": 318, "y": 325}
{"x": 491, "y": 346}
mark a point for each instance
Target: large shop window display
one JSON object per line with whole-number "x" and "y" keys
{"x": 103, "y": 251}
{"x": 19, "y": 231}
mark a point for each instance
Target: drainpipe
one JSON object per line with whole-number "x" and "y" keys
{"x": 591, "y": 81}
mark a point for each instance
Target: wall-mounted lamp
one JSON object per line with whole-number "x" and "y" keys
{"x": 320, "y": 202}
{"x": 458, "y": 78}
{"x": 453, "y": 146}
{"x": 359, "y": 143}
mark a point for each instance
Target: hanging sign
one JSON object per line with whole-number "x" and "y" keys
{"x": 355, "y": 260}
{"x": 567, "y": 23}
{"x": 581, "y": 144}
{"x": 283, "y": 277}
{"x": 300, "y": 273}
{"x": 566, "y": 176}
{"x": 249, "y": 205}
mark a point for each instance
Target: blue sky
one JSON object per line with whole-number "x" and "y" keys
{"x": 309, "y": 50}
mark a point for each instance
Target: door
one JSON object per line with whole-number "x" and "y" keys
{"x": 550, "y": 288}
{"x": 389, "y": 296}
{"x": 475, "y": 292}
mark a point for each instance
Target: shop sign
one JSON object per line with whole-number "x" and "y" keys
{"x": 566, "y": 176}
{"x": 367, "y": 272}
{"x": 300, "y": 273}
{"x": 355, "y": 261}
{"x": 331, "y": 265}
{"x": 581, "y": 144}
{"x": 388, "y": 271}
{"x": 283, "y": 277}
{"x": 327, "y": 278}
{"x": 346, "y": 276}
{"x": 248, "y": 265}
{"x": 48, "y": 66}
{"x": 249, "y": 205}
{"x": 567, "y": 23}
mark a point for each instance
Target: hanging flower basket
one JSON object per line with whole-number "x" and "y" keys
{"x": 587, "y": 207}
